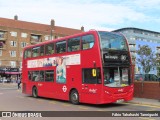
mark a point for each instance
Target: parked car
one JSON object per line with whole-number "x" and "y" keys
{"x": 4, "y": 81}
{"x": 146, "y": 77}
{"x": 1, "y": 81}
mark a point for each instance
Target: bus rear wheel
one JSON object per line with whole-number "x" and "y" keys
{"x": 74, "y": 97}
{"x": 34, "y": 92}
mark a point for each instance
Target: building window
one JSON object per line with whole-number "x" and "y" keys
{"x": 2, "y": 34}
{"x": 13, "y": 43}
{"x": 23, "y": 44}
{"x": 0, "y": 52}
{"x": 21, "y": 54}
{"x": 13, "y": 53}
{"x": 20, "y": 64}
{"x": 2, "y": 43}
{"x": 132, "y": 48}
{"x": 14, "y": 34}
{"x": 13, "y": 64}
{"x": 24, "y": 35}
{"x": 35, "y": 38}
{"x": 47, "y": 37}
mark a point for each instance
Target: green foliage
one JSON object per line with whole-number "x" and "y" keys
{"x": 146, "y": 59}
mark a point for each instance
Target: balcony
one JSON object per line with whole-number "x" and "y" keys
{"x": 133, "y": 55}
{"x": 3, "y": 37}
{"x": 131, "y": 42}
{"x": 132, "y": 48}
{"x": 158, "y": 51}
{"x": 2, "y": 47}
{"x": 35, "y": 39}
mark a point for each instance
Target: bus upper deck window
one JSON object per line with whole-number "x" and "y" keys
{"x": 42, "y": 50}
{"x": 61, "y": 47}
{"x": 35, "y": 51}
{"x": 74, "y": 44}
{"x": 49, "y": 49}
{"x": 87, "y": 42}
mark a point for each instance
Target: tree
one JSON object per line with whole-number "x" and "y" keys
{"x": 146, "y": 58}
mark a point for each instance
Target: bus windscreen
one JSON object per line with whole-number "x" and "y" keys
{"x": 111, "y": 41}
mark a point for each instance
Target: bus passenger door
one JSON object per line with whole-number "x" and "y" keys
{"x": 91, "y": 85}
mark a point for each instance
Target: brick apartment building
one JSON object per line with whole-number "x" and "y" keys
{"x": 16, "y": 34}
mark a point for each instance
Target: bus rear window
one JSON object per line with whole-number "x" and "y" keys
{"x": 27, "y": 53}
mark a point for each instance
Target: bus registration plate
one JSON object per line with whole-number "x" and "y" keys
{"x": 120, "y": 101}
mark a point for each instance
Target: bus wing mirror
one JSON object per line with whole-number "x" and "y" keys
{"x": 94, "y": 72}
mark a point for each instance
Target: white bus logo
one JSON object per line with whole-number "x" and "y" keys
{"x": 64, "y": 88}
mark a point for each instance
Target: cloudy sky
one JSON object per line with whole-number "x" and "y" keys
{"x": 92, "y": 14}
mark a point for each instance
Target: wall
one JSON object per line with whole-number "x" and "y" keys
{"x": 147, "y": 89}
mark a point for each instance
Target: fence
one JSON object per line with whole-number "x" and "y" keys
{"x": 147, "y": 89}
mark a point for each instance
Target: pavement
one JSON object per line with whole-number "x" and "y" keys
{"x": 140, "y": 101}
{"x": 8, "y": 85}
{"x": 146, "y": 102}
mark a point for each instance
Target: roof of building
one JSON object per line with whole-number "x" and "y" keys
{"x": 127, "y": 28}
{"x": 12, "y": 23}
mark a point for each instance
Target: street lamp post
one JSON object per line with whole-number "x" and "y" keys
{"x": 52, "y": 33}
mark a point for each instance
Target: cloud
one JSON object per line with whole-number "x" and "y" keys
{"x": 91, "y": 13}
{"x": 147, "y": 4}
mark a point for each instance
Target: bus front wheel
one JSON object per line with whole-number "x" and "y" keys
{"x": 34, "y": 92}
{"x": 74, "y": 97}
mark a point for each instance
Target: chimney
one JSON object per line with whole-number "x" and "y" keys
{"x": 82, "y": 28}
{"x": 52, "y": 23}
{"x": 15, "y": 17}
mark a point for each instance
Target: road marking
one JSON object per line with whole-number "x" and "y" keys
{"x": 39, "y": 100}
{"x": 151, "y": 109}
{"x": 144, "y": 118}
{"x": 52, "y": 102}
{"x": 84, "y": 108}
{"x": 101, "y": 110}
{"x": 19, "y": 90}
{"x": 66, "y": 104}
{"x": 154, "y": 106}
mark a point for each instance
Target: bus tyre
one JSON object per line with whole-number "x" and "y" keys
{"x": 74, "y": 97}
{"x": 34, "y": 92}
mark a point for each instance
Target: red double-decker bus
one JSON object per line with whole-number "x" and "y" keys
{"x": 91, "y": 67}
